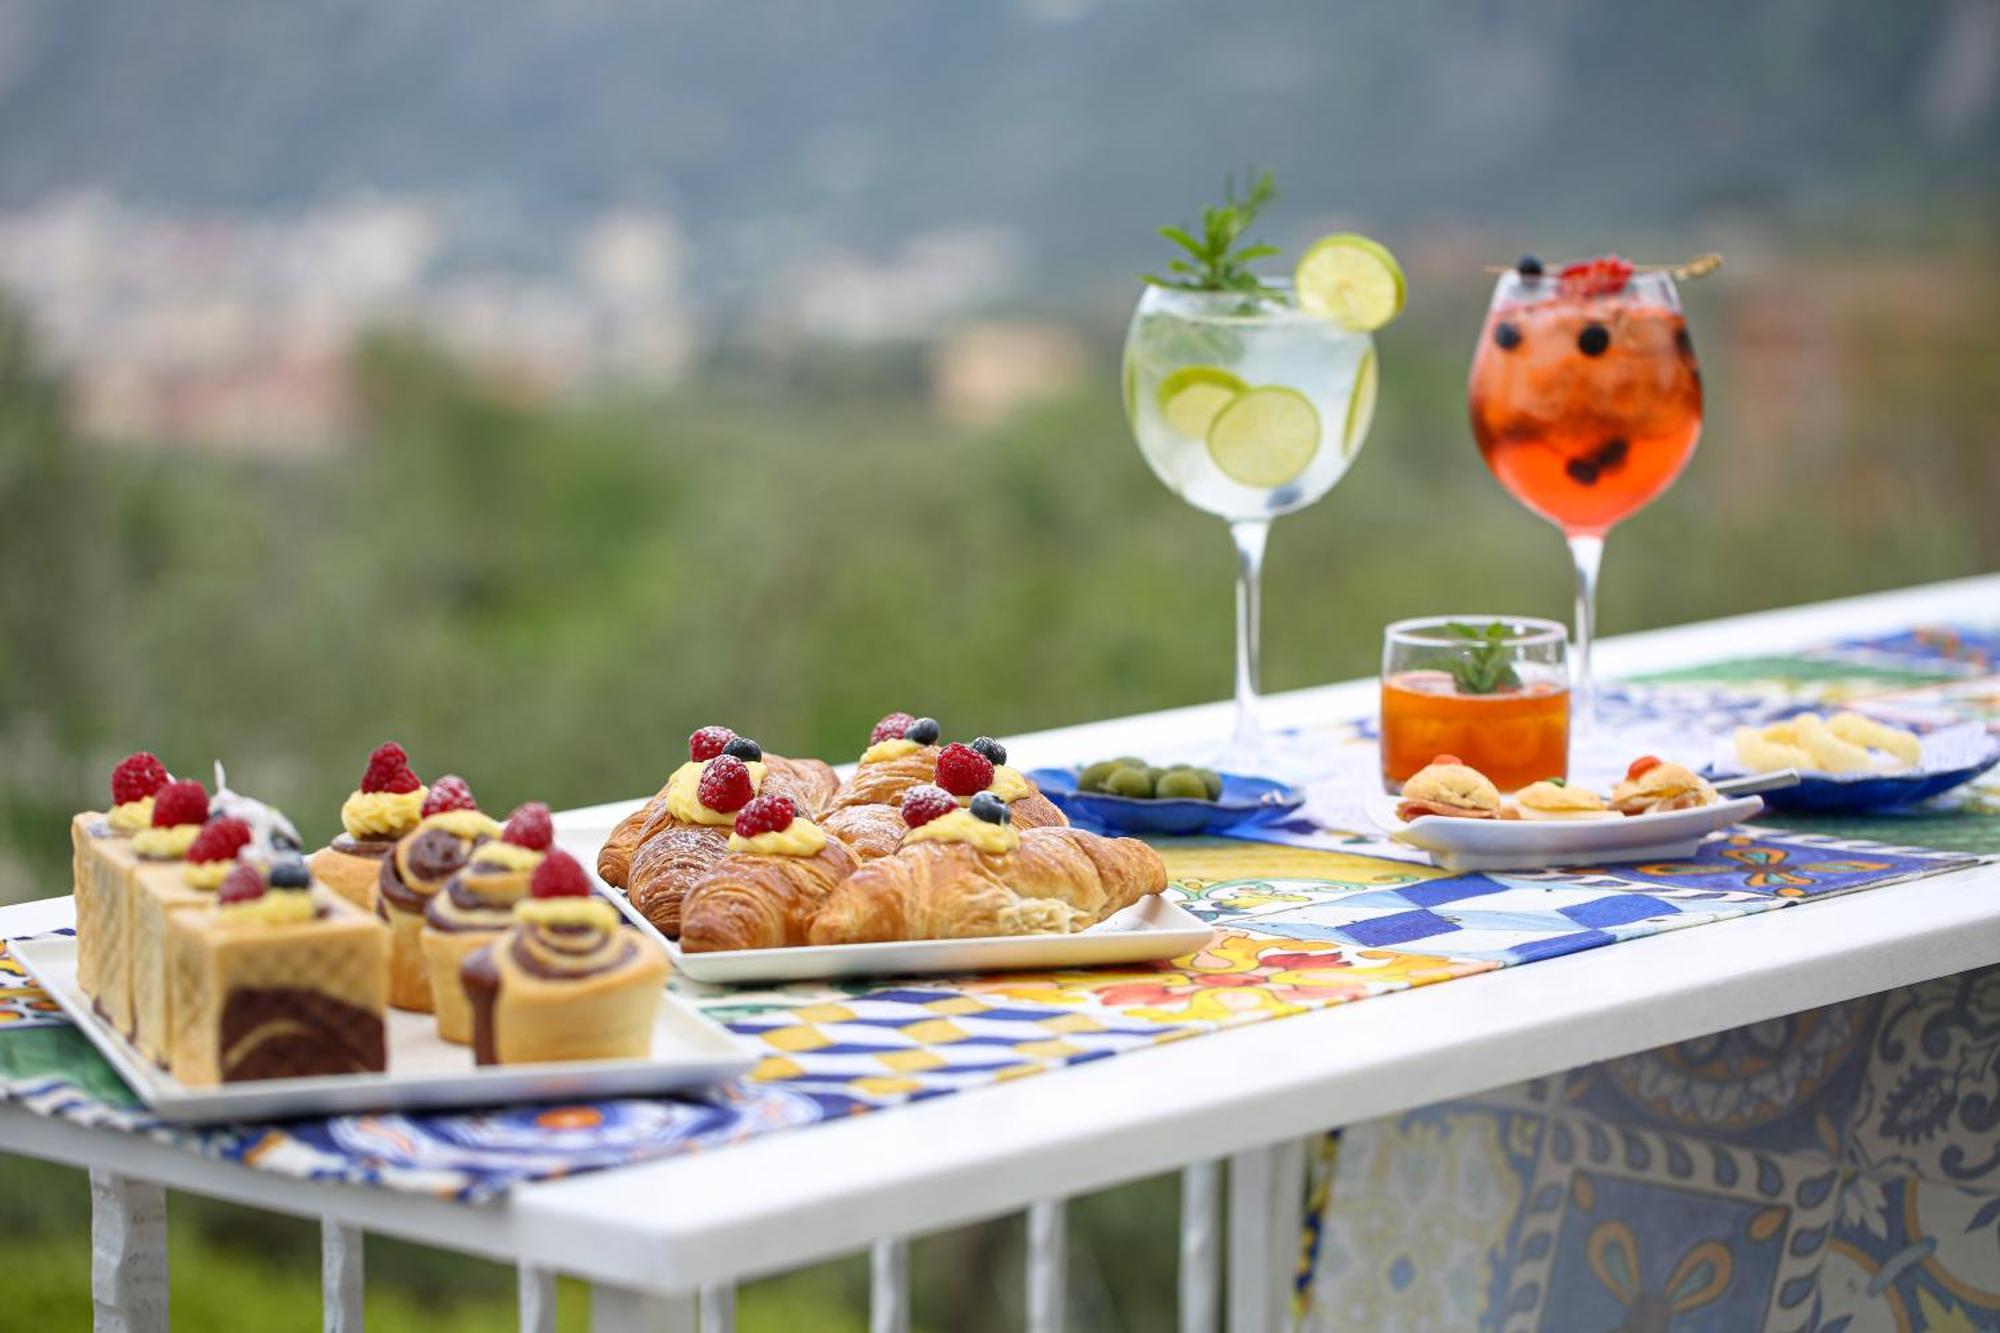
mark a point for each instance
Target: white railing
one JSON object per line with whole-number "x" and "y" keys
{"x": 129, "y": 1263}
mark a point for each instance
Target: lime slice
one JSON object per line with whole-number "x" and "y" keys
{"x": 1191, "y": 396}
{"x": 1361, "y": 407}
{"x": 1350, "y": 280}
{"x": 1265, "y": 436}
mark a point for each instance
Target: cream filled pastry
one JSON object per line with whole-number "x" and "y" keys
{"x": 962, "y": 771}
{"x": 1551, "y": 799}
{"x": 1652, "y": 785}
{"x": 476, "y": 906}
{"x": 422, "y": 862}
{"x": 763, "y": 895}
{"x": 102, "y": 863}
{"x": 375, "y": 816}
{"x": 1446, "y": 786}
{"x": 566, "y": 980}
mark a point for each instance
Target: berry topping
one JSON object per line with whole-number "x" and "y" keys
{"x": 890, "y": 728}
{"x": 1505, "y": 336}
{"x": 219, "y": 840}
{"x": 766, "y": 814}
{"x": 1611, "y": 453}
{"x": 1528, "y": 266}
{"x": 1641, "y": 766}
{"x": 449, "y": 792}
{"x": 962, "y": 770}
{"x": 137, "y": 777}
{"x": 707, "y": 743}
{"x": 925, "y": 802}
{"x": 1593, "y": 340}
{"x": 529, "y": 826}
{"x": 991, "y": 808}
{"x": 183, "y": 802}
{"x": 991, "y": 748}
{"x": 1605, "y": 276}
{"x": 745, "y": 749}
{"x": 559, "y": 876}
{"x": 924, "y": 731}
{"x": 289, "y": 872}
{"x": 1446, "y": 759}
{"x": 1581, "y": 471}
{"x": 389, "y": 770}
{"x": 245, "y": 884}
{"x": 725, "y": 785}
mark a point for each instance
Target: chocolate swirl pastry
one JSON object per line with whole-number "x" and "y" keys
{"x": 475, "y": 907}
{"x": 581, "y": 987}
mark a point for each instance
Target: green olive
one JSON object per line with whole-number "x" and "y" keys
{"x": 1213, "y": 781}
{"x": 1094, "y": 777}
{"x": 1130, "y": 781}
{"x": 1183, "y": 785}
{"x": 1129, "y": 761}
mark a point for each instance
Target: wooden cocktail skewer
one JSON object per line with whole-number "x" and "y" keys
{"x": 1698, "y": 267}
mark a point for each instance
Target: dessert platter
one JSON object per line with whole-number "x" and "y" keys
{"x": 929, "y": 858}
{"x": 430, "y": 956}
{"x": 1456, "y": 814}
{"x": 1852, "y": 762}
{"x": 1129, "y": 795}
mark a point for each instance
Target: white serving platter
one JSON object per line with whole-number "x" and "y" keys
{"x": 1544, "y": 844}
{"x": 1149, "y": 930}
{"x": 425, "y": 1071}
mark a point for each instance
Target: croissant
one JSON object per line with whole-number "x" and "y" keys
{"x": 874, "y": 831}
{"x": 809, "y": 782}
{"x": 1058, "y": 880}
{"x": 884, "y": 781}
{"x": 761, "y": 902}
{"x": 667, "y": 865}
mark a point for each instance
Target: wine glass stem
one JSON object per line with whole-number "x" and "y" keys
{"x": 1588, "y": 553}
{"x": 1250, "y": 536}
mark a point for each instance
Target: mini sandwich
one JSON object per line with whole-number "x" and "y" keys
{"x": 1448, "y": 787}
{"x": 1554, "y": 799}
{"x": 1652, "y": 786}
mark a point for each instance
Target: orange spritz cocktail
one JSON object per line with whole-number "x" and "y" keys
{"x": 1493, "y": 692}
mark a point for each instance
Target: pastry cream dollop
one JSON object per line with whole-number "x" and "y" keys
{"x": 507, "y": 854}
{"x": 1007, "y": 784}
{"x": 801, "y": 837}
{"x": 466, "y": 824}
{"x": 968, "y": 828}
{"x": 883, "y": 751}
{"x": 129, "y": 817}
{"x": 206, "y": 875}
{"x": 588, "y": 910}
{"x": 382, "y": 814}
{"x": 165, "y": 844}
{"x": 684, "y": 794}
{"x": 276, "y": 907}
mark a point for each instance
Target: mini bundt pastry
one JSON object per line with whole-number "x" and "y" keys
{"x": 103, "y": 862}
{"x": 779, "y": 870}
{"x": 475, "y": 907}
{"x": 566, "y": 981}
{"x": 423, "y": 861}
{"x": 969, "y": 873}
{"x": 810, "y": 783}
{"x": 1551, "y": 799}
{"x": 375, "y": 816}
{"x": 1446, "y": 786}
{"x": 1652, "y": 786}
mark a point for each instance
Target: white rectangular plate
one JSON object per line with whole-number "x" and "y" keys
{"x": 426, "y": 1072}
{"x": 1543, "y": 844}
{"x": 1149, "y": 930}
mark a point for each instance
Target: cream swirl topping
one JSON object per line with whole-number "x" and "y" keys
{"x": 165, "y": 844}
{"x": 568, "y": 937}
{"x": 893, "y": 748}
{"x": 206, "y": 875}
{"x": 801, "y": 837}
{"x": 684, "y": 794}
{"x": 382, "y": 814}
{"x": 968, "y": 828}
{"x": 128, "y": 817}
{"x": 274, "y": 907}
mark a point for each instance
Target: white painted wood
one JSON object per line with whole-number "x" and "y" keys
{"x": 342, "y": 1277}
{"x": 889, "y": 1286}
{"x": 535, "y": 1295}
{"x": 623, "y": 1310}
{"x": 1201, "y": 1258}
{"x": 128, "y": 1254}
{"x": 718, "y": 1308}
{"x": 1048, "y": 1265}
{"x": 1266, "y": 1196}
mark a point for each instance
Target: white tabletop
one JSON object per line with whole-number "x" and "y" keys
{"x": 792, "y": 1198}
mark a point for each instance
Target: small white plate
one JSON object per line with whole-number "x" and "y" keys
{"x": 426, "y": 1072}
{"x": 1543, "y": 844}
{"x": 1149, "y": 930}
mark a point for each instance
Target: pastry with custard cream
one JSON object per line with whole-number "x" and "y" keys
{"x": 179, "y": 810}
{"x": 1652, "y": 786}
{"x": 476, "y": 906}
{"x": 966, "y": 871}
{"x": 1551, "y": 799}
{"x": 277, "y": 978}
{"x": 1449, "y": 787}
{"x": 567, "y": 980}
{"x": 780, "y": 869}
{"x": 867, "y": 811}
{"x": 451, "y": 829}
{"x": 102, "y": 862}
{"x": 373, "y": 818}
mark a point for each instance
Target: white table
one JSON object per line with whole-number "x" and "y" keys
{"x": 663, "y": 1243}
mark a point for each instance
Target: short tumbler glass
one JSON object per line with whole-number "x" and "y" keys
{"x": 1492, "y": 690}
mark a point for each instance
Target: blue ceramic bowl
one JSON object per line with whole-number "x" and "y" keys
{"x": 1816, "y": 794}
{"x": 1244, "y": 800}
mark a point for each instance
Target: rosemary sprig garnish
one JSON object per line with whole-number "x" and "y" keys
{"x": 1215, "y": 262}
{"x": 1483, "y": 666}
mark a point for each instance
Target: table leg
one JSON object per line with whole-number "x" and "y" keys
{"x": 1201, "y": 1297}
{"x": 622, "y": 1310}
{"x": 1048, "y": 1266}
{"x": 889, "y": 1287}
{"x": 341, "y": 1277}
{"x": 1266, "y": 1191}
{"x": 535, "y": 1290}
{"x": 128, "y": 1255}
{"x": 718, "y": 1308}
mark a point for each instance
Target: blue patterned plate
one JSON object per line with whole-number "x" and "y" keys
{"x": 1951, "y": 756}
{"x": 1244, "y": 800}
